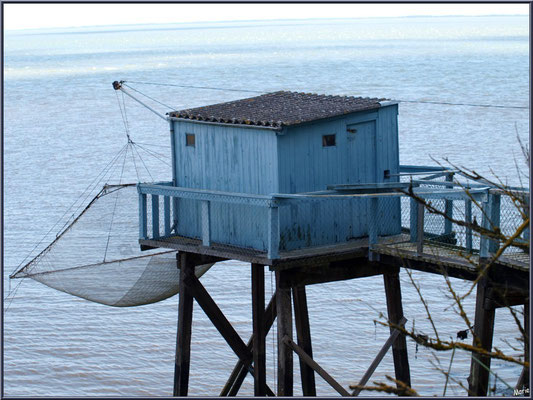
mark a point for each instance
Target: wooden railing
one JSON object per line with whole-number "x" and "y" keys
{"x": 489, "y": 199}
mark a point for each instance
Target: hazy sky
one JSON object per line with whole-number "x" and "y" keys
{"x": 29, "y": 16}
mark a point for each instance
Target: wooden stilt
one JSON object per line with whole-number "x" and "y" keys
{"x": 285, "y": 362}
{"x": 239, "y": 372}
{"x": 395, "y": 313}
{"x": 483, "y": 333}
{"x": 183, "y": 341}
{"x": 303, "y": 333}
{"x": 523, "y": 381}
{"x": 259, "y": 334}
{"x": 526, "y": 343}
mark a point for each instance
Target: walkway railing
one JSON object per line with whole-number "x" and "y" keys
{"x": 283, "y": 222}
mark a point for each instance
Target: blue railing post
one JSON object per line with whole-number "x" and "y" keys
{"x": 166, "y": 211}
{"x": 155, "y": 216}
{"x": 468, "y": 220}
{"x": 373, "y": 227}
{"x": 484, "y": 240}
{"x": 143, "y": 232}
{"x": 413, "y": 219}
{"x": 448, "y": 208}
{"x": 495, "y": 205}
{"x": 206, "y": 222}
{"x": 420, "y": 228}
{"x": 273, "y": 231}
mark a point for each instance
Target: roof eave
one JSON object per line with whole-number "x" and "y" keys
{"x": 251, "y": 126}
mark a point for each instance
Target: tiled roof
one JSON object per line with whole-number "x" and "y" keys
{"x": 279, "y": 109}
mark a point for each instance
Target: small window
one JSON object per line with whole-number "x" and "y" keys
{"x": 190, "y": 140}
{"x": 328, "y": 140}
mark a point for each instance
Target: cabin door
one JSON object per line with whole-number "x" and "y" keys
{"x": 362, "y": 168}
{"x": 361, "y": 139}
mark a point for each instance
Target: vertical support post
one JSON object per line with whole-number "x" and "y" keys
{"x": 483, "y": 333}
{"x": 206, "y": 223}
{"x": 155, "y": 216}
{"x": 393, "y": 294}
{"x": 526, "y": 342}
{"x": 373, "y": 227}
{"x": 183, "y": 340}
{"x": 484, "y": 240}
{"x": 273, "y": 232}
{"x": 420, "y": 228}
{"x": 303, "y": 333}
{"x": 166, "y": 210}
{"x": 143, "y": 231}
{"x": 468, "y": 220}
{"x": 448, "y": 208}
{"x": 495, "y": 203}
{"x": 523, "y": 381}
{"x": 259, "y": 332}
{"x": 285, "y": 361}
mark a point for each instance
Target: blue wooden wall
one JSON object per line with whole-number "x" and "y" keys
{"x": 262, "y": 161}
{"x": 230, "y": 159}
{"x": 366, "y": 146}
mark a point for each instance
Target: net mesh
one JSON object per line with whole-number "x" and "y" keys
{"x": 97, "y": 256}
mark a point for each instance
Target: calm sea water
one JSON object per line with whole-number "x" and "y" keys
{"x": 62, "y": 125}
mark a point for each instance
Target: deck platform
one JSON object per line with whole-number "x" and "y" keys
{"x": 395, "y": 250}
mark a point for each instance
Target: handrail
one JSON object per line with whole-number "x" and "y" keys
{"x": 206, "y": 195}
{"x": 449, "y": 191}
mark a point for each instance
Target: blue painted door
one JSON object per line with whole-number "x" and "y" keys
{"x": 362, "y": 168}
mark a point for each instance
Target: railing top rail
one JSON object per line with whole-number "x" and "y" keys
{"x": 423, "y": 168}
{"x": 208, "y": 195}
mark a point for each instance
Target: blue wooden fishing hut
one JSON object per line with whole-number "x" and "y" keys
{"x": 279, "y": 144}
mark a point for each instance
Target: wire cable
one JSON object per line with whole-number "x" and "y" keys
{"x": 197, "y": 87}
{"x": 149, "y": 97}
{"x": 399, "y": 100}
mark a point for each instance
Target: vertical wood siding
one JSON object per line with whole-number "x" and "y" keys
{"x": 230, "y": 159}
{"x": 358, "y": 157}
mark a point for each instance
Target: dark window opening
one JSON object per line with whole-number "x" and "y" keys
{"x": 190, "y": 140}
{"x": 328, "y": 140}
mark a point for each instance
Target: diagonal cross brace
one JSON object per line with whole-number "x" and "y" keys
{"x": 220, "y": 322}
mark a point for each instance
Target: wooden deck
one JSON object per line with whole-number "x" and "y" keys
{"x": 393, "y": 250}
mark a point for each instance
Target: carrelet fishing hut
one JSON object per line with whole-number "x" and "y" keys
{"x": 237, "y": 164}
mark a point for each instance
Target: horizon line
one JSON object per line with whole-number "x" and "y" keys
{"x": 58, "y": 28}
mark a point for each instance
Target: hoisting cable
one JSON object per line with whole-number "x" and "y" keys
{"x": 123, "y": 118}
{"x": 462, "y": 104}
{"x": 116, "y": 200}
{"x": 118, "y": 86}
{"x": 198, "y": 87}
{"x": 145, "y": 167}
{"x": 155, "y": 155}
{"x": 134, "y": 163}
{"x": 398, "y": 100}
{"x": 151, "y": 98}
